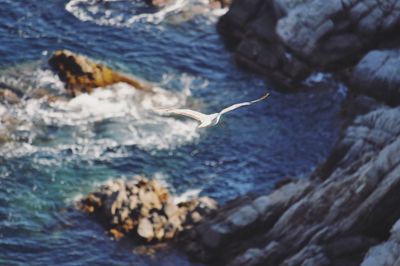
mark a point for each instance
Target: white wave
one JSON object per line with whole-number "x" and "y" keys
{"x": 187, "y": 195}
{"x": 111, "y": 117}
{"x": 45, "y": 78}
{"x": 103, "y": 13}
{"x": 318, "y": 77}
{"x": 108, "y": 13}
{"x": 2, "y": 110}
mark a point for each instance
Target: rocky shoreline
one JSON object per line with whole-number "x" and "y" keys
{"x": 334, "y": 218}
{"x": 346, "y": 212}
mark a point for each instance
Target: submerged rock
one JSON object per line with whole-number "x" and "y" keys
{"x": 82, "y": 75}
{"x": 332, "y": 219}
{"x": 286, "y": 40}
{"x": 144, "y": 209}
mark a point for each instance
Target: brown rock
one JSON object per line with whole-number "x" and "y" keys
{"x": 149, "y": 199}
{"x": 158, "y": 3}
{"x": 9, "y": 97}
{"x": 171, "y": 210}
{"x": 220, "y": 3}
{"x": 161, "y": 192}
{"x": 116, "y": 234}
{"x": 196, "y": 217}
{"x": 82, "y": 75}
{"x": 133, "y": 202}
{"x": 150, "y": 211}
{"x": 129, "y": 225}
{"x": 145, "y": 229}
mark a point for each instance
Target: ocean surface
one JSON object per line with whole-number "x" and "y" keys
{"x": 63, "y": 150}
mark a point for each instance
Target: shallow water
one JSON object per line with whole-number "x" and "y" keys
{"x": 63, "y": 150}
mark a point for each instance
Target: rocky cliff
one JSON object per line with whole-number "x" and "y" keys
{"x": 333, "y": 219}
{"x": 288, "y": 39}
{"x": 347, "y": 212}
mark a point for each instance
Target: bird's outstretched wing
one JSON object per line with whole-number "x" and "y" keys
{"x": 190, "y": 113}
{"x": 237, "y": 105}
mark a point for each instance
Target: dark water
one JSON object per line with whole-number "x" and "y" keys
{"x": 65, "y": 149}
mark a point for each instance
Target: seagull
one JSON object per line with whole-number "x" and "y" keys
{"x": 211, "y": 119}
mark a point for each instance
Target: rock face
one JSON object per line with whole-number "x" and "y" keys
{"x": 332, "y": 219}
{"x": 378, "y": 75}
{"x": 82, "y": 75}
{"x": 144, "y": 209}
{"x": 286, "y": 39}
{"x": 387, "y": 253}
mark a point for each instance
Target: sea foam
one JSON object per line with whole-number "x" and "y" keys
{"x": 110, "y": 13}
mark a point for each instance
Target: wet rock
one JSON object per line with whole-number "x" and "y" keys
{"x": 329, "y": 220}
{"x": 377, "y": 75}
{"x": 7, "y": 96}
{"x": 116, "y": 234}
{"x": 82, "y": 75}
{"x": 144, "y": 209}
{"x": 286, "y": 40}
{"x": 220, "y": 3}
{"x": 158, "y": 3}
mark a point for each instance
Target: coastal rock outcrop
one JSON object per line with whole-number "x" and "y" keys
{"x": 144, "y": 209}
{"x": 378, "y": 75}
{"x": 334, "y": 218}
{"x": 287, "y": 40}
{"x": 82, "y": 75}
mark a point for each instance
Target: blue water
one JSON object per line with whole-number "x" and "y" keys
{"x": 63, "y": 152}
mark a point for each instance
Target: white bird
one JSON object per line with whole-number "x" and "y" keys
{"x": 211, "y": 119}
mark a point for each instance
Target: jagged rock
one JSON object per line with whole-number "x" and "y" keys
{"x": 286, "y": 39}
{"x": 82, "y": 75}
{"x": 332, "y": 219}
{"x": 145, "y": 209}
{"x": 378, "y": 75}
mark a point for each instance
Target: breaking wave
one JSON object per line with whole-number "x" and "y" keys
{"x": 126, "y": 13}
{"x": 109, "y": 118}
